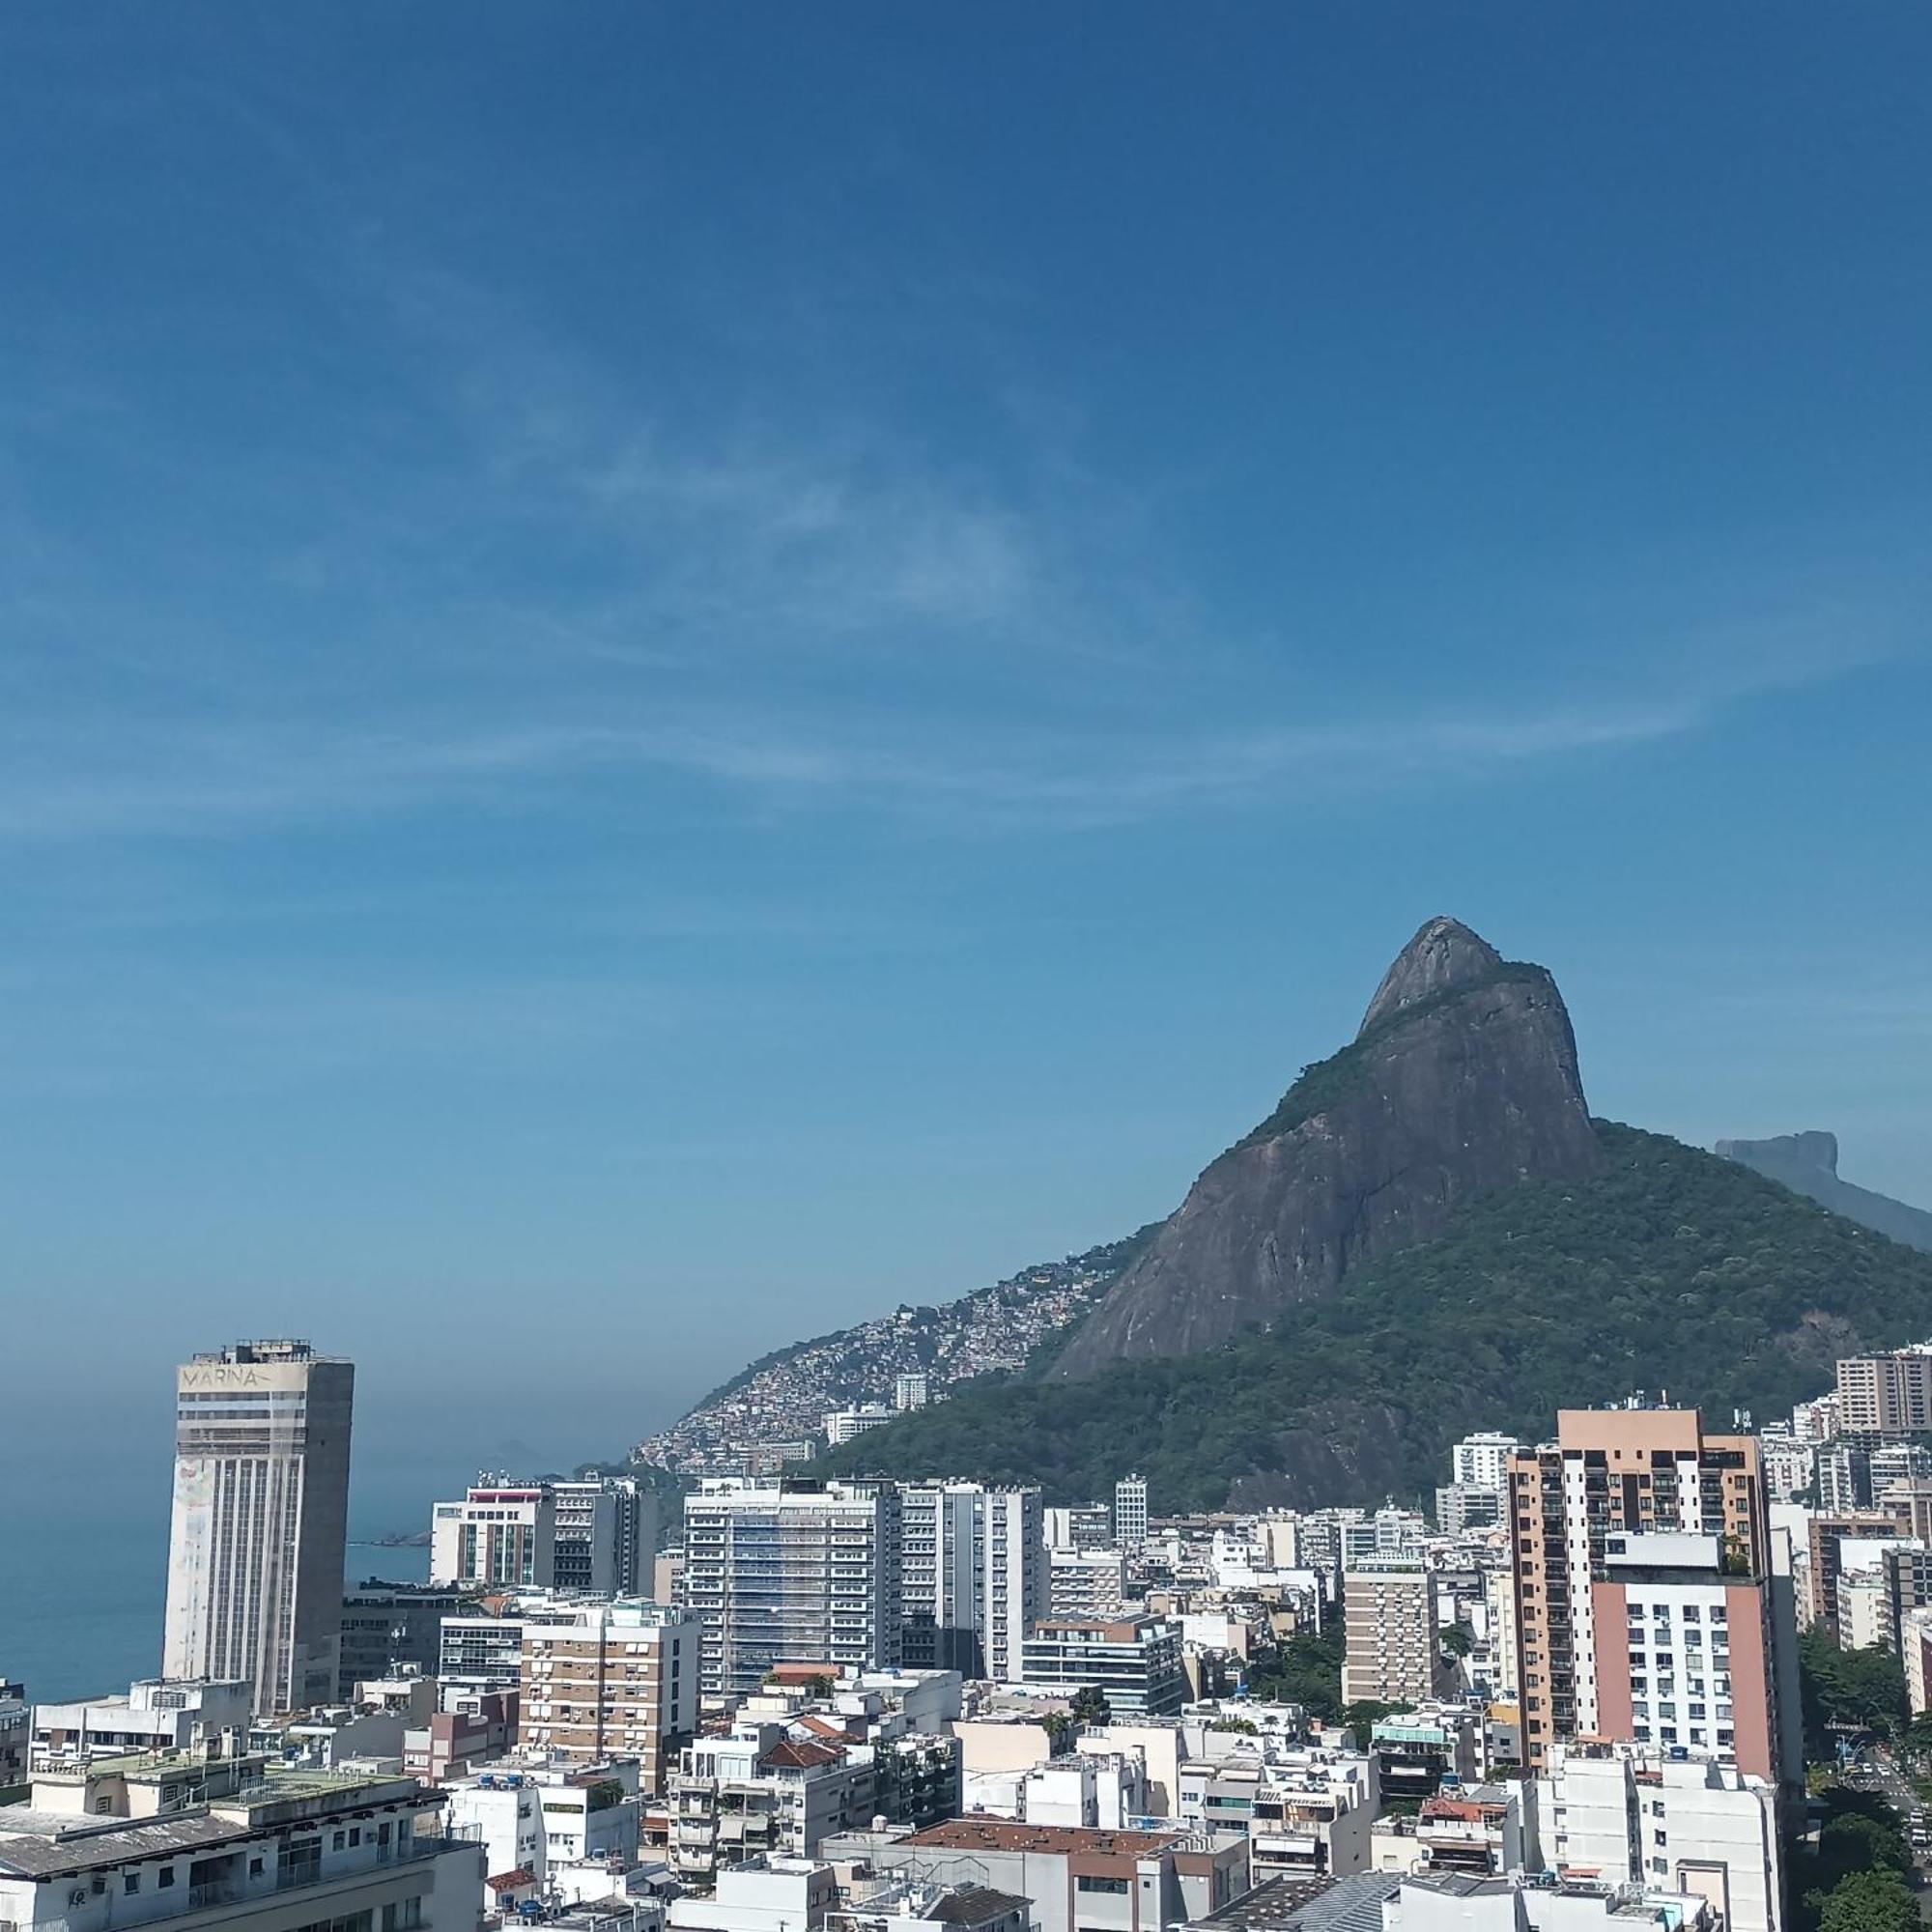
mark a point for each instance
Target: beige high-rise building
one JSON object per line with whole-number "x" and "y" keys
{"x": 1393, "y": 1644}
{"x": 616, "y": 1680}
{"x": 1889, "y": 1394}
{"x": 1614, "y": 1504}
{"x": 260, "y": 1511}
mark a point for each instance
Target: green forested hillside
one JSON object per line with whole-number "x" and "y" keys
{"x": 1674, "y": 1270}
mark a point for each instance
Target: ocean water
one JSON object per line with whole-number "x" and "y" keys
{"x": 84, "y": 1557}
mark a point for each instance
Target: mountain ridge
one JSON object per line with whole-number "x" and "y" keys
{"x": 1641, "y": 1262}
{"x": 1807, "y": 1163}
{"x": 1670, "y": 1269}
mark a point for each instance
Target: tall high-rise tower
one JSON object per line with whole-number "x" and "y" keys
{"x": 261, "y": 1512}
{"x": 1130, "y": 1512}
{"x": 1632, "y": 1525}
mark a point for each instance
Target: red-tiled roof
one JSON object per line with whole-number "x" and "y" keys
{"x": 796, "y": 1754}
{"x": 513, "y": 1881}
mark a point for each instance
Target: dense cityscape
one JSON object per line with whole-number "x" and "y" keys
{"x": 678, "y": 679}
{"x": 1584, "y": 1685}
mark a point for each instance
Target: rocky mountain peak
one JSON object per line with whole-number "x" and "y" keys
{"x": 1445, "y": 953}
{"x": 1462, "y": 1083}
{"x": 1813, "y": 1148}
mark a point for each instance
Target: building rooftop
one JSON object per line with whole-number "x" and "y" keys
{"x": 48, "y": 1844}
{"x": 1349, "y": 1904}
{"x": 42, "y": 1844}
{"x": 974, "y": 1904}
{"x": 999, "y": 1835}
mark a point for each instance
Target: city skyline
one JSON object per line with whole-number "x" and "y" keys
{"x": 965, "y": 967}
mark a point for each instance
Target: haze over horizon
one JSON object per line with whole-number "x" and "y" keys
{"x": 673, "y": 677}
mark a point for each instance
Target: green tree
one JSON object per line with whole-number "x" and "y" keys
{"x": 1090, "y": 1705}
{"x": 1305, "y": 1670}
{"x": 1864, "y": 1689}
{"x": 1870, "y": 1901}
{"x": 1916, "y": 1739}
{"x": 1459, "y": 1639}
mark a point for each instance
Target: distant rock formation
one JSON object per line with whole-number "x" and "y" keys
{"x": 1807, "y": 1164}
{"x": 1462, "y": 1081}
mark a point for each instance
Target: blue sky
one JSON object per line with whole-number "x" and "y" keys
{"x": 669, "y": 674}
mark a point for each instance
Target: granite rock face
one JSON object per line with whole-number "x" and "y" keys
{"x": 1462, "y": 1081}
{"x": 1807, "y": 1164}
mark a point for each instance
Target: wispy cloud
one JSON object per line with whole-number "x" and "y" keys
{"x": 546, "y": 579}
{"x": 118, "y": 778}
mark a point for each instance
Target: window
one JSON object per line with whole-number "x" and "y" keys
{"x": 166, "y": 1877}
{"x": 1112, "y": 1885}
{"x": 131, "y": 1882}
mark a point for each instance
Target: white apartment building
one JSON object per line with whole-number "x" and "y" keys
{"x": 1915, "y": 1647}
{"x": 302, "y": 1851}
{"x": 1863, "y": 1602}
{"x": 1788, "y": 1463}
{"x": 912, "y": 1390}
{"x": 1130, "y": 1512}
{"x": 499, "y": 1537}
{"x": 1393, "y": 1637}
{"x": 764, "y": 1894}
{"x": 1462, "y": 1508}
{"x": 260, "y": 1522}
{"x": 1501, "y": 1637}
{"x": 759, "y": 1793}
{"x": 1695, "y": 1825}
{"x": 1457, "y": 1902}
{"x": 1482, "y": 1462}
{"x": 607, "y": 1536}
{"x": 1095, "y": 1790}
{"x": 1389, "y": 1532}
{"x": 844, "y": 1425}
{"x": 792, "y": 1572}
{"x": 597, "y": 1537}
{"x": 973, "y": 1576}
{"x": 152, "y": 1716}
{"x": 1307, "y": 1811}
{"x": 533, "y": 1817}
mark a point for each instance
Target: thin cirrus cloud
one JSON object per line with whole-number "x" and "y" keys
{"x": 786, "y": 620}
{"x": 181, "y": 781}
